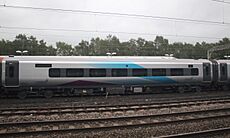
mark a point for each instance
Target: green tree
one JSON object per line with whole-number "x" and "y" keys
{"x": 99, "y": 47}
{"x": 31, "y": 44}
{"x": 64, "y": 49}
{"x": 82, "y": 49}
{"x": 51, "y": 51}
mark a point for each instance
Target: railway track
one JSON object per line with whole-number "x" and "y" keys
{"x": 108, "y": 108}
{"x": 100, "y": 100}
{"x": 102, "y": 124}
{"x": 204, "y": 133}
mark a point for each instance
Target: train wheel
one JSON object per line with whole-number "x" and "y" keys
{"x": 22, "y": 94}
{"x": 225, "y": 88}
{"x": 48, "y": 94}
{"x": 197, "y": 89}
{"x": 181, "y": 89}
{"x": 70, "y": 93}
{"x": 2, "y": 93}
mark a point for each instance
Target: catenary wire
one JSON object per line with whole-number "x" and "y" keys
{"x": 116, "y": 14}
{"x": 103, "y": 32}
{"x": 221, "y": 1}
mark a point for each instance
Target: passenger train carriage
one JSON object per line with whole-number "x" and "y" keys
{"x": 76, "y": 74}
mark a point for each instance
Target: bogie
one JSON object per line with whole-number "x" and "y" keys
{"x": 22, "y": 94}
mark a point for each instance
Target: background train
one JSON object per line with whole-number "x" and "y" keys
{"x": 73, "y": 75}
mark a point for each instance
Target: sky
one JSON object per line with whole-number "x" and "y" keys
{"x": 134, "y": 27}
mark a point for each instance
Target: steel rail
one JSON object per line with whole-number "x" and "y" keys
{"x": 199, "y": 133}
{"x": 112, "y": 118}
{"x": 162, "y": 100}
{"x": 105, "y": 108}
{"x": 118, "y": 126}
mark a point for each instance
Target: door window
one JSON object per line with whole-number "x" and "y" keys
{"x": 11, "y": 71}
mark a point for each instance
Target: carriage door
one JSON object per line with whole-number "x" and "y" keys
{"x": 206, "y": 72}
{"x": 223, "y": 72}
{"x": 12, "y": 73}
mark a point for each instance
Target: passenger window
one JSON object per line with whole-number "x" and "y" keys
{"x": 158, "y": 72}
{"x": 11, "y": 71}
{"x": 207, "y": 70}
{"x": 54, "y": 72}
{"x": 177, "y": 72}
{"x": 223, "y": 70}
{"x": 74, "y": 72}
{"x": 119, "y": 72}
{"x": 194, "y": 71}
{"x": 97, "y": 72}
{"x": 139, "y": 72}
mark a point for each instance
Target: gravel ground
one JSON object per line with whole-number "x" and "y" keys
{"x": 109, "y": 114}
{"x": 150, "y": 131}
{"x": 134, "y": 133}
{"x": 109, "y": 123}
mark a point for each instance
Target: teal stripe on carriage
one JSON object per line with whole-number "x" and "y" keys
{"x": 143, "y": 80}
{"x": 116, "y": 65}
{"x": 161, "y": 79}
